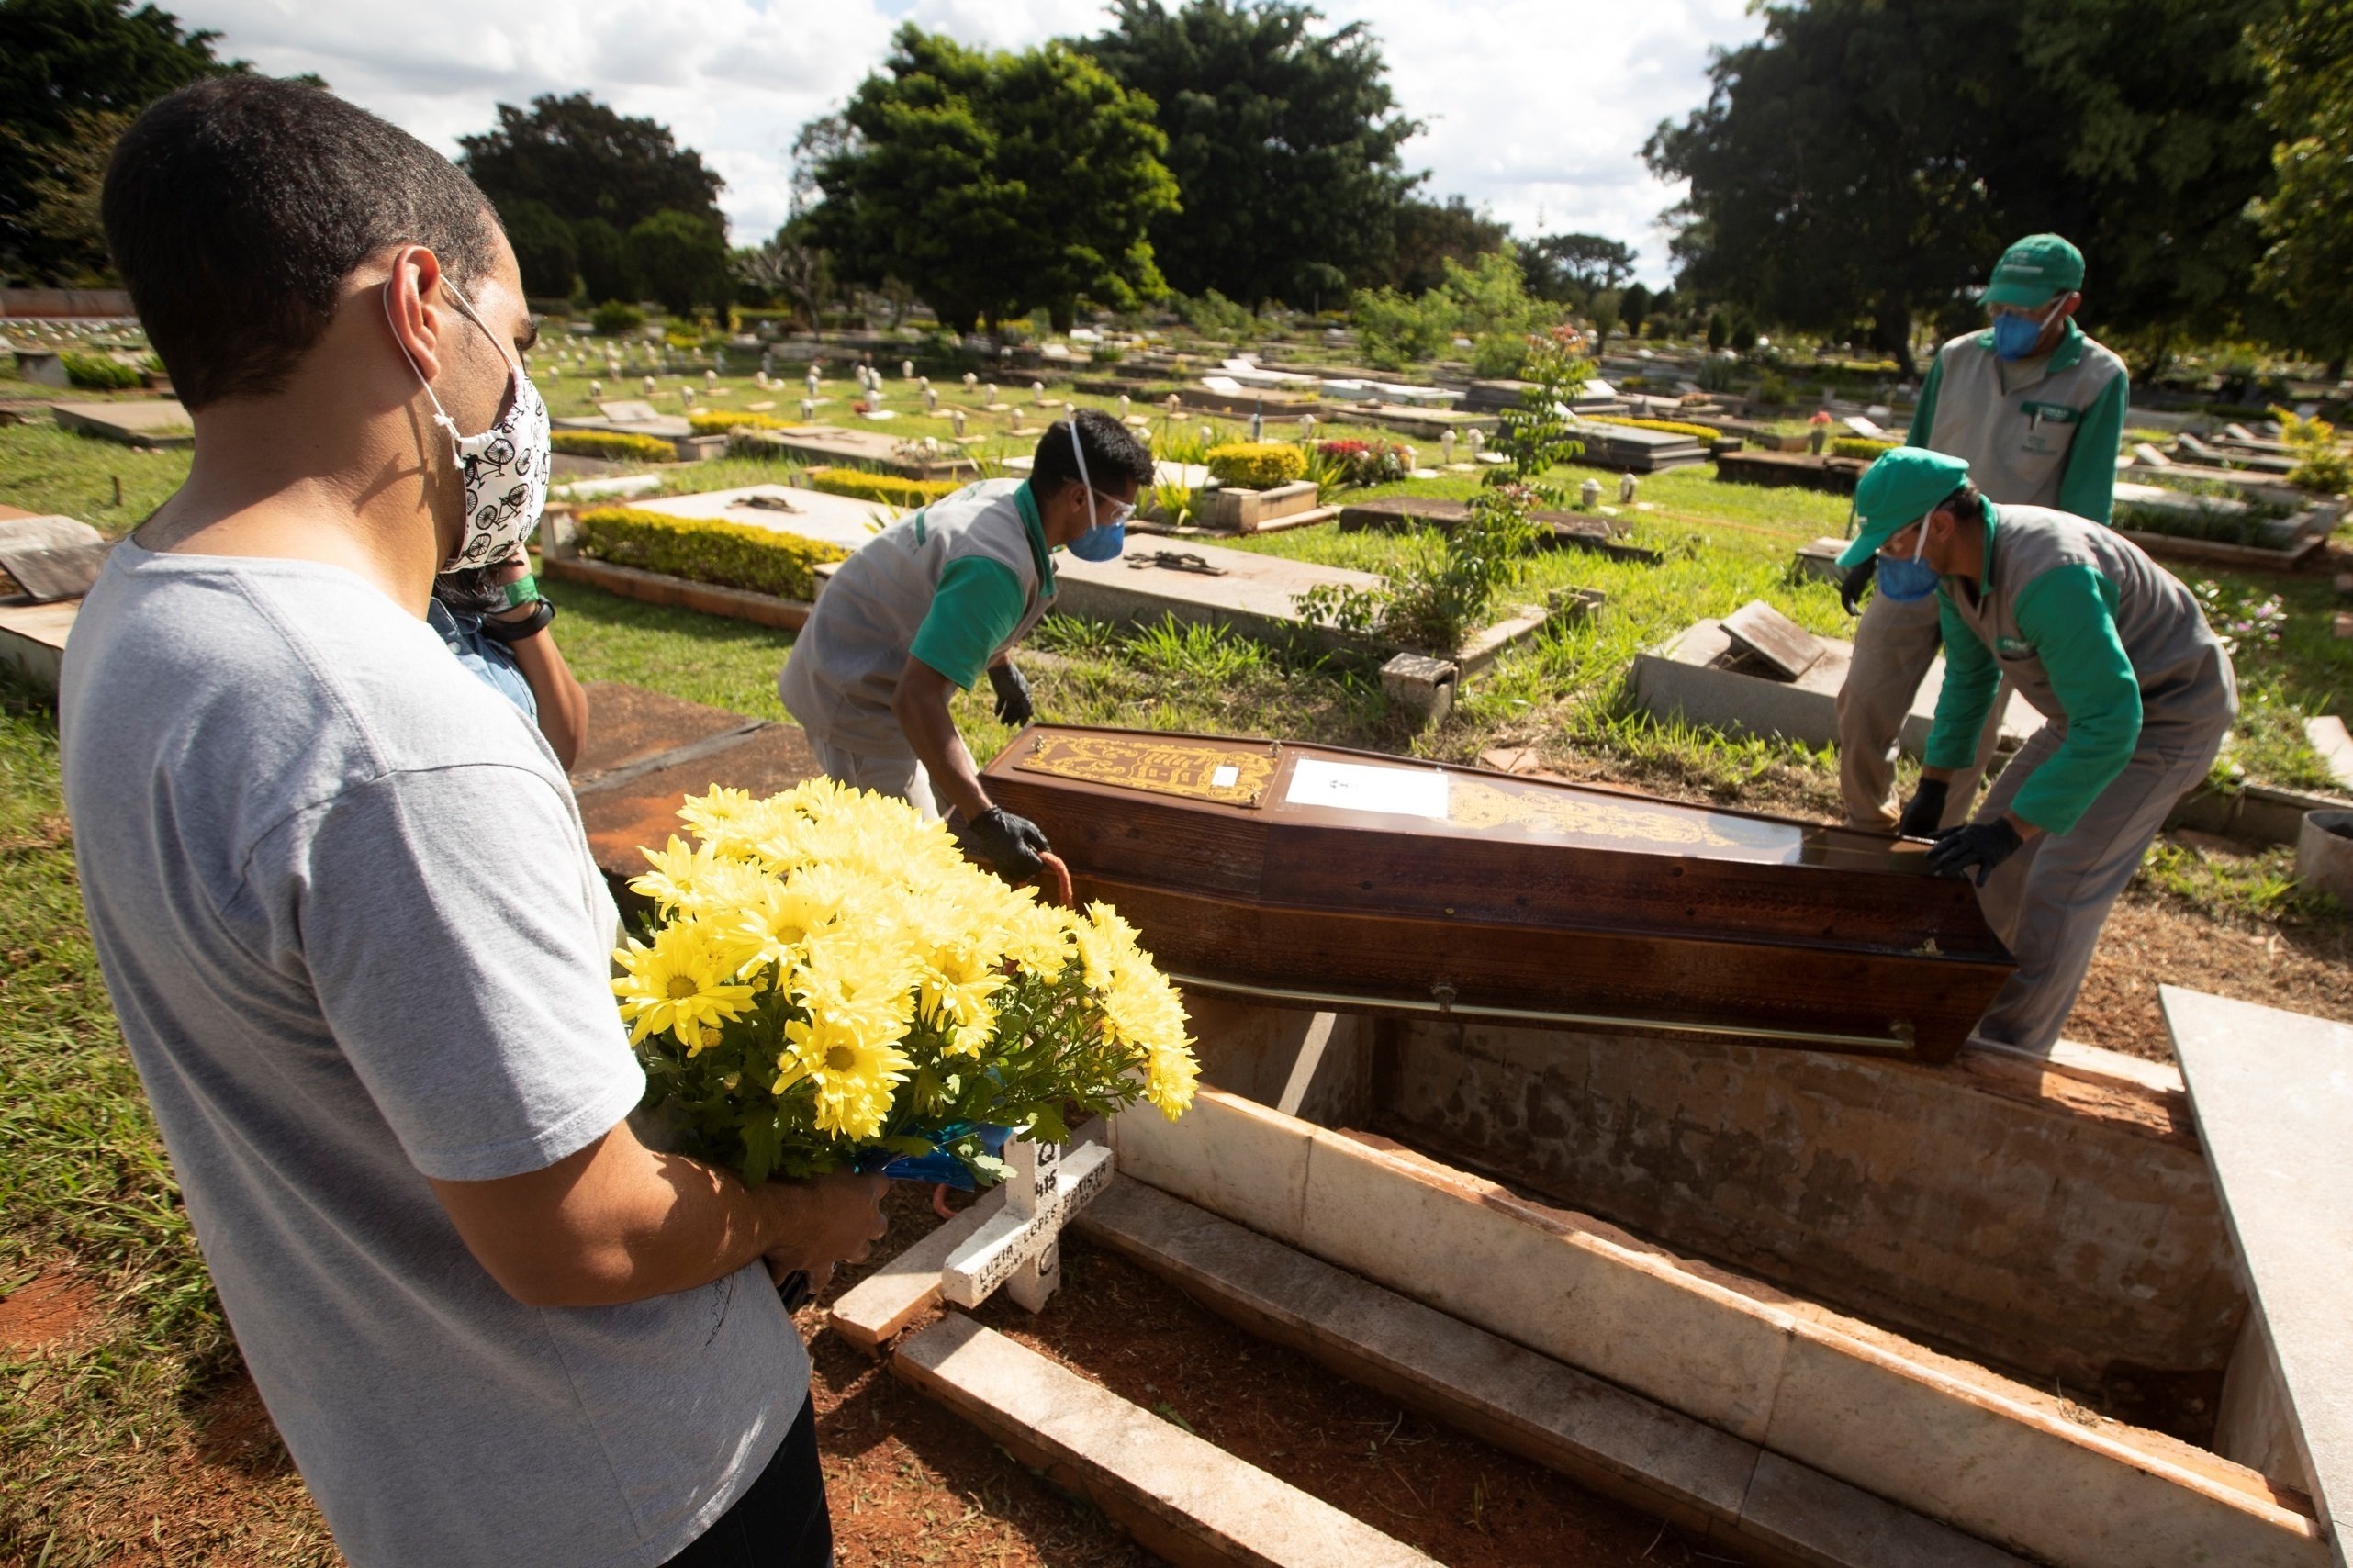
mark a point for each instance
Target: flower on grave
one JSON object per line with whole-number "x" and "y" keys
{"x": 828, "y": 983}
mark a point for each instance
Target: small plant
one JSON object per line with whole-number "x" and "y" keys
{"x": 101, "y": 373}
{"x": 1539, "y": 435}
{"x": 1499, "y": 356}
{"x": 1172, "y": 503}
{"x": 859, "y": 485}
{"x": 1256, "y": 465}
{"x": 615, "y": 447}
{"x": 615, "y": 317}
{"x": 2241, "y": 617}
{"x": 1366, "y": 462}
{"x": 1860, "y": 446}
{"x": 2321, "y": 465}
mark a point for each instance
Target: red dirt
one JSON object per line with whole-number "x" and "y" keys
{"x": 47, "y": 1312}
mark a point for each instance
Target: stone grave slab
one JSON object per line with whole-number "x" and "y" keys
{"x": 1698, "y": 677}
{"x": 1834, "y": 475}
{"x": 2272, "y": 1092}
{"x": 1818, "y": 558}
{"x": 1570, "y": 530}
{"x": 1199, "y": 585}
{"x": 631, "y": 411}
{"x": 156, "y": 423}
{"x": 782, "y": 509}
{"x": 28, "y": 530}
{"x": 32, "y": 639}
{"x": 1630, "y": 448}
{"x": 661, "y": 427}
{"x": 64, "y": 571}
{"x": 1767, "y": 634}
{"x": 827, "y": 443}
{"x": 2327, "y": 736}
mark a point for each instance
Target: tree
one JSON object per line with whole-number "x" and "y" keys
{"x": 1283, "y": 142}
{"x": 680, "y": 259}
{"x": 2307, "y": 56}
{"x": 544, "y": 249}
{"x": 584, "y": 160}
{"x": 603, "y": 252}
{"x": 1634, "y": 305}
{"x": 1606, "y": 307}
{"x": 994, "y": 184}
{"x": 783, "y": 268}
{"x": 1570, "y": 268}
{"x": 1428, "y": 235}
{"x": 73, "y": 74}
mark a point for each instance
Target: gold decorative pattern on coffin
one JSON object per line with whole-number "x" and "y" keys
{"x": 1474, "y": 804}
{"x": 1185, "y": 768}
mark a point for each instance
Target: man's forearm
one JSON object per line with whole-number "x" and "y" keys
{"x": 921, "y": 708}
{"x": 563, "y": 705}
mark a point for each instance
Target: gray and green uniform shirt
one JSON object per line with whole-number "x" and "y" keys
{"x": 954, "y": 585}
{"x": 2101, "y": 639}
{"x": 2036, "y": 433}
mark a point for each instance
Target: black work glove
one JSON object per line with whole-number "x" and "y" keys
{"x": 1983, "y": 844}
{"x": 1851, "y": 586}
{"x": 1925, "y": 809}
{"x": 1008, "y": 844}
{"x": 1012, "y": 688}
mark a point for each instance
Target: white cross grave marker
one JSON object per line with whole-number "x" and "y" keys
{"x": 1021, "y": 1249}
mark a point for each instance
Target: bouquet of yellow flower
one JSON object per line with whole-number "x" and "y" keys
{"x": 829, "y": 984}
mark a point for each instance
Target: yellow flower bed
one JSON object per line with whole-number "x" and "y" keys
{"x": 1674, "y": 427}
{"x": 705, "y": 549}
{"x": 614, "y": 445}
{"x": 1860, "y": 446}
{"x": 859, "y": 485}
{"x": 1256, "y": 465}
{"x": 830, "y": 984}
{"x": 709, "y": 422}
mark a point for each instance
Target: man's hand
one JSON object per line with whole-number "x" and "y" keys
{"x": 822, "y": 1222}
{"x": 1851, "y": 586}
{"x": 1012, "y": 686}
{"x": 1926, "y": 810}
{"x": 1983, "y": 845}
{"x": 1009, "y": 844}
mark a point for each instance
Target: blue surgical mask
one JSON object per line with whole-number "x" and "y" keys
{"x": 2015, "y": 336}
{"x": 1105, "y": 539}
{"x": 1908, "y": 581}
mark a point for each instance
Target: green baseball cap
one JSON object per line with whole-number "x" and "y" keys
{"x": 2036, "y": 271}
{"x": 1897, "y": 491}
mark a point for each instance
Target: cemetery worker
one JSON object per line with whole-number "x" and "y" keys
{"x": 2037, "y": 407}
{"x": 497, "y": 620}
{"x": 348, "y": 916}
{"x": 937, "y": 599}
{"x": 2114, "y": 653}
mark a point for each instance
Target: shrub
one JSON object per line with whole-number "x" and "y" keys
{"x": 1367, "y": 462}
{"x": 1256, "y": 465}
{"x": 1499, "y": 356}
{"x": 2321, "y": 464}
{"x": 860, "y": 485}
{"x": 1673, "y": 427}
{"x": 706, "y": 550}
{"x": 100, "y": 373}
{"x": 615, "y": 317}
{"x": 718, "y": 421}
{"x": 615, "y": 445}
{"x": 1860, "y": 446}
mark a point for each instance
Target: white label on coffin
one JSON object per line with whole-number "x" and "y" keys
{"x": 1356, "y": 787}
{"x": 1225, "y": 778}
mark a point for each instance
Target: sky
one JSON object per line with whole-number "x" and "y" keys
{"x": 1536, "y": 109}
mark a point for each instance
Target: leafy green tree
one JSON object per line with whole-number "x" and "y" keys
{"x": 1634, "y": 307}
{"x": 1429, "y": 234}
{"x": 1283, "y": 142}
{"x": 544, "y": 249}
{"x": 995, "y": 182}
{"x": 2307, "y": 55}
{"x": 584, "y": 161}
{"x": 680, "y": 259}
{"x": 603, "y": 252}
{"x": 1570, "y": 268}
{"x": 1486, "y": 302}
{"x": 1607, "y": 309}
{"x": 73, "y": 74}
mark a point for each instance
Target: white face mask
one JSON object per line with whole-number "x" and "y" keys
{"x": 505, "y": 468}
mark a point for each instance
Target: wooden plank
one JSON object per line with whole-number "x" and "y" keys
{"x": 881, "y": 1304}
{"x": 1183, "y": 1499}
{"x": 1757, "y": 628}
{"x": 2272, "y": 1092}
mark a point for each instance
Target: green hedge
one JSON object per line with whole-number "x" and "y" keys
{"x": 615, "y": 445}
{"x": 705, "y": 549}
{"x": 101, "y": 373}
{"x": 1256, "y": 465}
{"x": 859, "y": 485}
{"x": 1860, "y": 446}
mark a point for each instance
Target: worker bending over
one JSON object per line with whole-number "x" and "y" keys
{"x": 2035, "y": 407}
{"x": 2112, "y": 649}
{"x": 937, "y": 598}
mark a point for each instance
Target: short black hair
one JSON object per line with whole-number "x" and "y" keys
{"x": 236, "y": 206}
{"x": 1966, "y": 503}
{"x": 1112, "y": 453}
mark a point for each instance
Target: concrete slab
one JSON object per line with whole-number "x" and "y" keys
{"x": 134, "y": 422}
{"x": 1185, "y": 1500}
{"x": 1682, "y": 678}
{"x": 637, "y": 805}
{"x": 782, "y": 509}
{"x": 2327, "y": 736}
{"x": 872, "y": 449}
{"x": 28, "y": 530}
{"x": 32, "y": 640}
{"x": 2273, "y": 1095}
{"x": 1199, "y": 585}
{"x": 881, "y": 1305}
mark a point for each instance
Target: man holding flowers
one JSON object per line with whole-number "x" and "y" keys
{"x": 348, "y": 916}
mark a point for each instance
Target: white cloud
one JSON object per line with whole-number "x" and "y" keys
{"x": 1536, "y": 109}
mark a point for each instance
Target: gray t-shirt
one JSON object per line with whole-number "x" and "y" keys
{"x": 349, "y": 919}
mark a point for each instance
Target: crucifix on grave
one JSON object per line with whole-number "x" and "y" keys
{"x": 1020, "y": 1246}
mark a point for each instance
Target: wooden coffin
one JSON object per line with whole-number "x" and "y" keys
{"x": 1350, "y": 879}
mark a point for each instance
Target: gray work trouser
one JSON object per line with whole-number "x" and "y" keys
{"x": 1894, "y": 647}
{"x": 902, "y": 777}
{"x": 2048, "y": 901}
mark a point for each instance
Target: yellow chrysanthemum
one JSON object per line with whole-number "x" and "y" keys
{"x": 1106, "y": 943}
{"x": 680, "y": 873}
{"x": 853, "y": 1072}
{"x": 956, "y": 986}
{"x": 683, "y": 983}
{"x": 718, "y": 812}
{"x": 774, "y": 921}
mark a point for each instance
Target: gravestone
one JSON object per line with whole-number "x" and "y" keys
{"x": 161, "y": 423}
{"x": 1766, "y": 633}
{"x": 871, "y": 449}
{"x": 842, "y": 520}
{"x": 47, "y": 573}
{"x": 28, "y": 530}
{"x": 1200, "y": 584}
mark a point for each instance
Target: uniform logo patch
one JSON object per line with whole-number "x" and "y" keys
{"x": 2013, "y": 647}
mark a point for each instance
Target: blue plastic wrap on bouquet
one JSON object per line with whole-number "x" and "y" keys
{"x": 939, "y": 1166}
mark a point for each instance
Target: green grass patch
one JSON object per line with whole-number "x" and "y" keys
{"x": 45, "y": 469}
